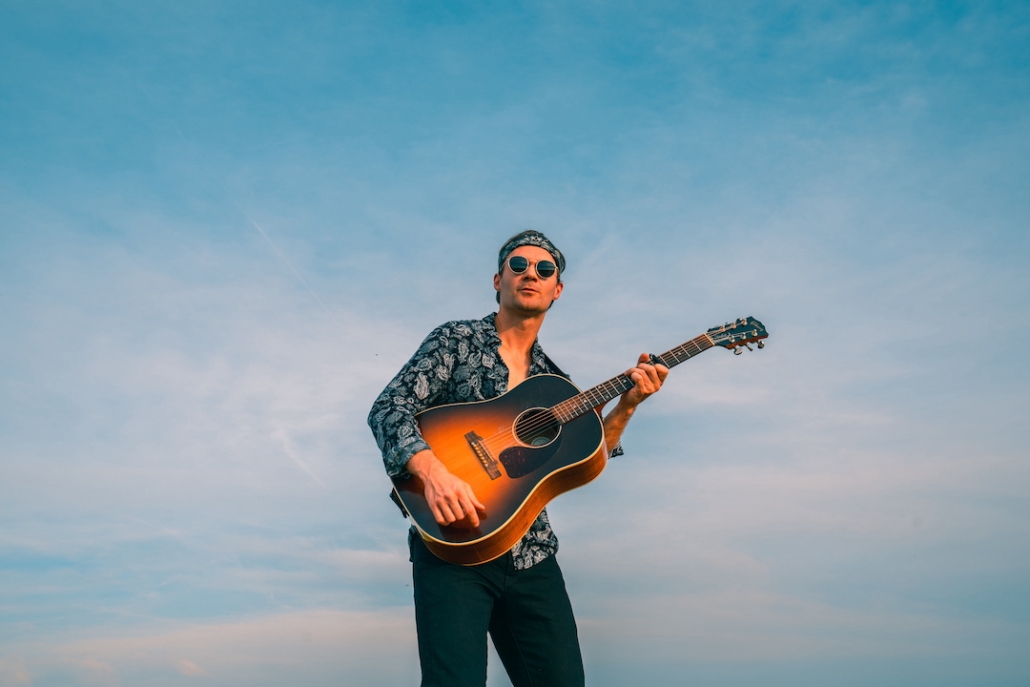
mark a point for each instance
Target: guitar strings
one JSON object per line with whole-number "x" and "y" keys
{"x": 589, "y": 399}
{"x": 582, "y": 403}
{"x": 548, "y": 418}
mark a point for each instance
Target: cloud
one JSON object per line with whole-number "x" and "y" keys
{"x": 326, "y": 647}
{"x": 222, "y": 239}
{"x": 743, "y": 625}
{"x": 189, "y": 668}
{"x": 91, "y": 671}
{"x": 13, "y": 672}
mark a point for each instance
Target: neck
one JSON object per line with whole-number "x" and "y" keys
{"x": 516, "y": 330}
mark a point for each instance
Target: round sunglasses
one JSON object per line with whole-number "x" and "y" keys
{"x": 544, "y": 268}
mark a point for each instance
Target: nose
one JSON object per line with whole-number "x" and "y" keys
{"x": 530, "y": 273}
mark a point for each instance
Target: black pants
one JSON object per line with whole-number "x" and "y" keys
{"x": 527, "y": 613}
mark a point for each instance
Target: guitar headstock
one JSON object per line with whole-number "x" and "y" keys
{"x": 739, "y": 333}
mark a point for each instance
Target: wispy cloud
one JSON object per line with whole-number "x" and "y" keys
{"x": 221, "y": 239}
{"x": 324, "y": 646}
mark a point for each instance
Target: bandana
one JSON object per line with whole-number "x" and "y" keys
{"x": 531, "y": 237}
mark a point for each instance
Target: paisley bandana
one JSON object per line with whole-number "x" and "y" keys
{"x": 531, "y": 237}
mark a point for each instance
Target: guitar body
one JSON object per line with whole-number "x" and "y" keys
{"x": 514, "y": 480}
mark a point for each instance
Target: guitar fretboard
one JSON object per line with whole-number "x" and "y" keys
{"x": 586, "y": 401}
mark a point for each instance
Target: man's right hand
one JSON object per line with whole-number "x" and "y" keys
{"x": 449, "y": 497}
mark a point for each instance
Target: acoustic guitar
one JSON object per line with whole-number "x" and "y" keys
{"x": 520, "y": 450}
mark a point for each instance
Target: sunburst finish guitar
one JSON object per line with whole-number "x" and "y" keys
{"x": 520, "y": 450}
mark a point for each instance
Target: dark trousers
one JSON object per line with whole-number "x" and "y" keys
{"x": 526, "y": 612}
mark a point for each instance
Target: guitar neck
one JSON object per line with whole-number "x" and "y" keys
{"x": 586, "y": 401}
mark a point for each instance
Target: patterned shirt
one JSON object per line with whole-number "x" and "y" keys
{"x": 458, "y": 362}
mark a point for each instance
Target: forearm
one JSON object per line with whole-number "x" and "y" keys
{"x": 615, "y": 423}
{"x": 647, "y": 379}
{"x": 423, "y": 464}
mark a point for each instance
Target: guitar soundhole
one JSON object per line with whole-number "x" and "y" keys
{"x": 537, "y": 430}
{"x": 537, "y": 427}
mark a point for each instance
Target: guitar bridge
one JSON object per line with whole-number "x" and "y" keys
{"x": 488, "y": 462}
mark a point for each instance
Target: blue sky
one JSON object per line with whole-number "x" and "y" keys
{"x": 224, "y": 226}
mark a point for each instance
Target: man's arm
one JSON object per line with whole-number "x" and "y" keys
{"x": 415, "y": 388}
{"x": 392, "y": 420}
{"x": 647, "y": 379}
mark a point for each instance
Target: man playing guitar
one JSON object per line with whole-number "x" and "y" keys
{"x": 519, "y": 598}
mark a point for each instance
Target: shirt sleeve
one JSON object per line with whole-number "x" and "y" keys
{"x": 417, "y": 386}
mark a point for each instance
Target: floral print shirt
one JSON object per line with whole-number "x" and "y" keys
{"x": 458, "y": 362}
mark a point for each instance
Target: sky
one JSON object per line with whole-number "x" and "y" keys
{"x": 225, "y": 225}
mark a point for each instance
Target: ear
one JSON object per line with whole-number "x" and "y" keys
{"x": 497, "y": 282}
{"x": 558, "y": 289}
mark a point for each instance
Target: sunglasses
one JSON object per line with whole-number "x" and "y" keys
{"x": 544, "y": 268}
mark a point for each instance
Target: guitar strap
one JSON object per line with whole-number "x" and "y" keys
{"x": 396, "y": 499}
{"x": 554, "y": 367}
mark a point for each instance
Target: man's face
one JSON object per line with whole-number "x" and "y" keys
{"x": 527, "y": 292}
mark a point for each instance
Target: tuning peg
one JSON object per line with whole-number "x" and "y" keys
{"x": 737, "y": 350}
{"x": 761, "y": 344}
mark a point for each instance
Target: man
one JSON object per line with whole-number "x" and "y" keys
{"x": 519, "y": 598}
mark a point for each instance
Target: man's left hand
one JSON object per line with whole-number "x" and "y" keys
{"x": 647, "y": 379}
